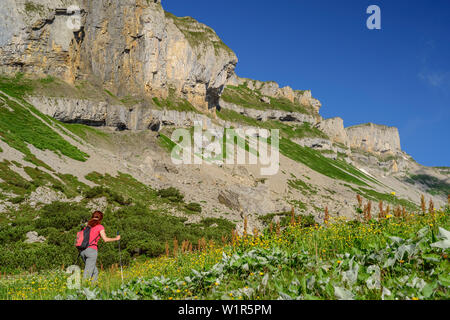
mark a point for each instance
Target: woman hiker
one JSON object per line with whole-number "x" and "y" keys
{"x": 89, "y": 255}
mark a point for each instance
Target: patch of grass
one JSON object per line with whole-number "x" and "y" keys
{"x": 435, "y": 186}
{"x": 84, "y": 131}
{"x": 305, "y": 130}
{"x": 15, "y": 183}
{"x": 194, "y": 207}
{"x": 12, "y": 181}
{"x": 301, "y": 186}
{"x": 67, "y": 184}
{"x": 130, "y": 101}
{"x": 125, "y": 185}
{"x": 354, "y": 171}
{"x": 385, "y": 197}
{"x": 166, "y": 143}
{"x": 18, "y": 165}
{"x": 20, "y": 127}
{"x": 172, "y": 102}
{"x": 31, "y": 7}
{"x": 16, "y": 87}
{"x": 40, "y": 178}
{"x": 72, "y": 186}
{"x": 110, "y": 94}
{"x": 298, "y": 204}
{"x": 314, "y": 160}
{"x": 171, "y": 194}
{"x": 245, "y": 97}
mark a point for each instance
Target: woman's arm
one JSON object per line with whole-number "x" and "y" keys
{"x": 106, "y": 239}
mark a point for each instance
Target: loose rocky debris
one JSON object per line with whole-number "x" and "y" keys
{"x": 33, "y": 237}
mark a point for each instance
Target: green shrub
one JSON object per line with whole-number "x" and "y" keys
{"x": 63, "y": 216}
{"x": 195, "y": 207}
{"x": 100, "y": 191}
{"x": 171, "y": 194}
{"x": 17, "y": 200}
{"x": 95, "y": 192}
{"x": 144, "y": 234}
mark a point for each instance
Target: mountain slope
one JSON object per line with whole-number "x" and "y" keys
{"x": 86, "y": 122}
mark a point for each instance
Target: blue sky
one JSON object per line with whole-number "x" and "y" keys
{"x": 397, "y": 76}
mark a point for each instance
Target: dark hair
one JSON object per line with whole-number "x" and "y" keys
{"x": 96, "y": 218}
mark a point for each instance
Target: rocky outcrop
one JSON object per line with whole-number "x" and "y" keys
{"x": 129, "y": 46}
{"x": 334, "y": 128}
{"x": 101, "y": 113}
{"x": 272, "y": 89}
{"x": 33, "y": 237}
{"x": 229, "y": 199}
{"x": 247, "y": 199}
{"x": 90, "y": 112}
{"x": 374, "y": 138}
{"x": 270, "y": 114}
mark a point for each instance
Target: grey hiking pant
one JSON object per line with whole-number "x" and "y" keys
{"x": 89, "y": 257}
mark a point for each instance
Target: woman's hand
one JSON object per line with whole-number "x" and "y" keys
{"x": 117, "y": 238}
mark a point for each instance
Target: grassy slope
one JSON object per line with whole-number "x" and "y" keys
{"x": 434, "y": 185}
{"x": 20, "y": 127}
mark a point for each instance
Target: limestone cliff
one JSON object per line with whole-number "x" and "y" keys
{"x": 374, "y": 138}
{"x": 334, "y": 128}
{"x": 131, "y": 47}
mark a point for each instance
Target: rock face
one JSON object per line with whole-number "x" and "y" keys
{"x": 272, "y": 89}
{"x": 130, "y": 46}
{"x": 35, "y": 39}
{"x": 135, "y": 48}
{"x": 374, "y": 138}
{"x": 334, "y": 128}
{"x": 100, "y": 113}
{"x": 247, "y": 199}
{"x": 90, "y": 112}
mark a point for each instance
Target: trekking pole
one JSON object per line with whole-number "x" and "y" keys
{"x": 120, "y": 257}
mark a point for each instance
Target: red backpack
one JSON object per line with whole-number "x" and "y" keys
{"x": 82, "y": 241}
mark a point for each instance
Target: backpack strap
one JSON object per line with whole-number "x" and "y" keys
{"x": 96, "y": 238}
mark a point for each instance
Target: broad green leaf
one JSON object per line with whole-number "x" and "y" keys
{"x": 445, "y": 242}
{"x": 343, "y": 294}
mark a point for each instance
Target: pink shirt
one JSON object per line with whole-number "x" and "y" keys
{"x": 95, "y": 236}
